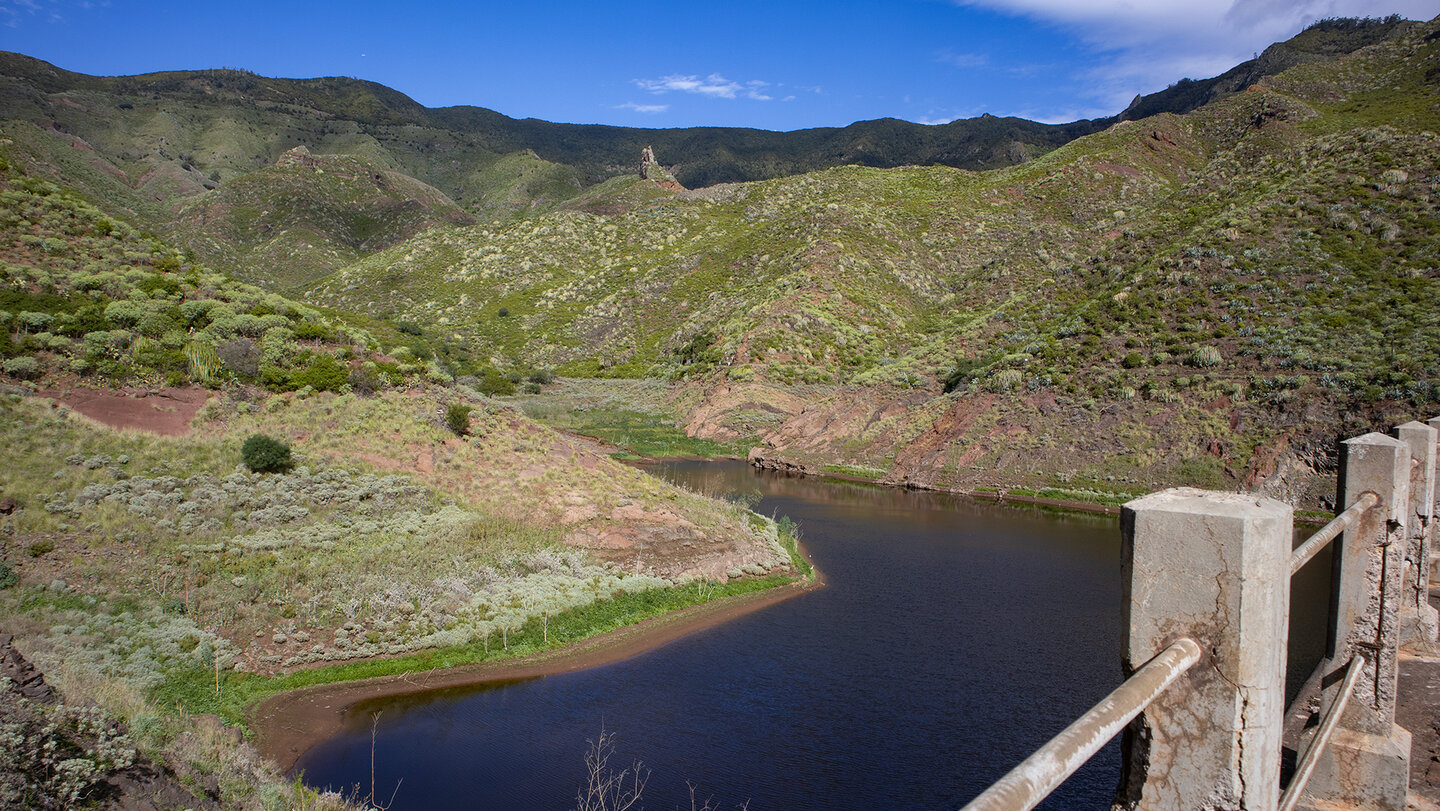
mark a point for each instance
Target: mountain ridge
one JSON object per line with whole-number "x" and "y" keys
{"x": 701, "y": 156}
{"x": 1177, "y": 279}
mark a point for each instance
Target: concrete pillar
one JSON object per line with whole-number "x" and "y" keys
{"x": 1434, "y": 422}
{"x": 1367, "y": 764}
{"x": 1419, "y": 623}
{"x": 1213, "y": 567}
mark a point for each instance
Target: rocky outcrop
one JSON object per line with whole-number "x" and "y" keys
{"x": 768, "y": 459}
{"x": 299, "y": 156}
{"x": 650, "y": 169}
{"x": 24, "y": 678}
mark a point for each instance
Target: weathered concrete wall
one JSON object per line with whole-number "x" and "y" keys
{"x": 1419, "y": 622}
{"x": 1367, "y": 764}
{"x": 1213, "y": 567}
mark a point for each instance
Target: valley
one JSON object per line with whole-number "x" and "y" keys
{"x": 459, "y": 325}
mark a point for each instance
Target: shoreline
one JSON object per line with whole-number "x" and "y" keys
{"x": 289, "y": 724}
{"x": 999, "y": 496}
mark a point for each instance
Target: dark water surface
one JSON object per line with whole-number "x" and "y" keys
{"x": 953, "y": 638}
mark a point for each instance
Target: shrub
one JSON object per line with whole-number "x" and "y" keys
{"x": 166, "y": 285}
{"x": 967, "y": 370}
{"x": 8, "y": 577}
{"x": 323, "y": 373}
{"x": 1133, "y": 360}
{"x": 493, "y": 383}
{"x": 366, "y": 379}
{"x": 1205, "y": 356}
{"x": 203, "y": 362}
{"x": 276, "y": 379}
{"x": 264, "y": 454}
{"x": 240, "y": 356}
{"x": 457, "y": 418}
{"x": 22, "y": 367}
{"x": 123, "y": 313}
{"x": 310, "y": 331}
{"x": 1008, "y": 380}
{"x": 32, "y": 321}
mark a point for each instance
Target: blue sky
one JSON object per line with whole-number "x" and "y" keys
{"x": 776, "y": 65}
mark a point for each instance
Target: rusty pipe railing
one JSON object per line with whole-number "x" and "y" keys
{"x": 1322, "y": 538}
{"x": 1024, "y": 786}
{"x": 1322, "y": 736}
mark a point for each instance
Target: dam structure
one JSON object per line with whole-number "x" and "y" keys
{"x": 1202, "y": 716}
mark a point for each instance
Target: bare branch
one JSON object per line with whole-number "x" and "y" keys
{"x": 606, "y": 789}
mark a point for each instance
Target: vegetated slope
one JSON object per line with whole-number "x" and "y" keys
{"x": 177, "y": 132}
{"x": 1323, "y": 41}
{"x": 158, "y": 577}
{"x": 1183, "y": 297}
{"x": 86, "y": 298}
{"x": 307, "y": 215}
{"x": 144, "y": 146}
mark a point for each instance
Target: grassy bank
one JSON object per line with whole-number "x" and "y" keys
{"x": 640, "y": 417}
{"x": 197, "y": 690}
{"x": 158, "y": 578}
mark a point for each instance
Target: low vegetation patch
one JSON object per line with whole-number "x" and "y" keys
{"x": 263, "y": 454}
{"x": 197, "y": 574}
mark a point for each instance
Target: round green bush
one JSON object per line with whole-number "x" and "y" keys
{"x": 322, "y": 373}
{"x": 264, "y": 454}
{"x": 457, "y": 417}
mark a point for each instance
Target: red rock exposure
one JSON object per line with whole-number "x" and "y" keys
{"x": 167, "y": 412}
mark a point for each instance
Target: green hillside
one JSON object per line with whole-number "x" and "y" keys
{"x": 174, "y": 134}
{"x": 307, "y": 215}
{"x": 88, "y": 299}
{"x": 1273, "y": 248}
{"x": 1170, "y": 235}
{"x": 180, "y": 131}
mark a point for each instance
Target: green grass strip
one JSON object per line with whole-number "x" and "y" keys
{"x": 194, "y": 689}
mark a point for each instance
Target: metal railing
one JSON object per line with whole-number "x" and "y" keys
{"x": 1024, "y": 786}
{"x": 1306, "y": 768}
{"x": 1305, "y": 552}
{"x": 1030, "y": 782}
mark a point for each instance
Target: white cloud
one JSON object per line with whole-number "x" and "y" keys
{"x": 649, "y": 109}
{"x": 1140, "y": 46}
{"x": 13, "y": 11}
{"x": 713, "y": 86}
{"x": 934, "y": 122}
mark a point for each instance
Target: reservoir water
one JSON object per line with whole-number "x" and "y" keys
{"x": 953, "y": 638}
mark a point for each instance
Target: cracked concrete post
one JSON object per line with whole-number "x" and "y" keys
{"x": 1213, "y": 567}
{"x": 1367, "y": 764}
{"x": 1419, "y": 622}
{"x": 1433, "y": 422}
